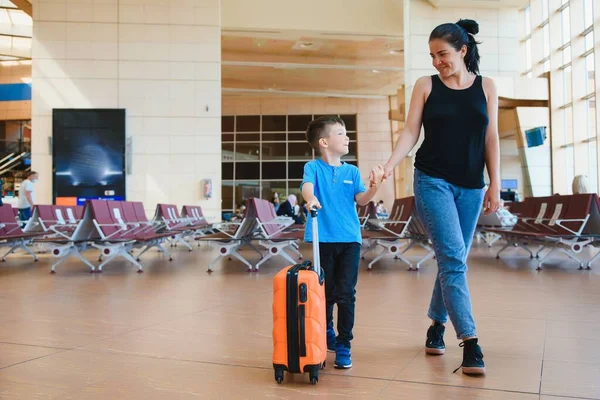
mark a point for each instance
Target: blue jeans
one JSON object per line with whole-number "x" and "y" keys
{"x": 340, "y": 264}
{"x": 24, "y": 214}
{"x": 450, "y": 215}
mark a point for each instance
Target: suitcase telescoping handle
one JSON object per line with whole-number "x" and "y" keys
{"x": 315, "y": 240}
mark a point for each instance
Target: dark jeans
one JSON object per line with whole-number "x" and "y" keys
{"x": 340, "y": 264}
{"x": 24, "y": 214}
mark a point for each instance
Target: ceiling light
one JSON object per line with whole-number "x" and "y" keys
{"x": 395, "y": 51}
{"x": 306, "y": 44}
{"x": 376, "y": 71}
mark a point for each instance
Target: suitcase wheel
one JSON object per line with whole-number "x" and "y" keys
{"x": 314, "y": 376}
{"x": 279, "y": 375}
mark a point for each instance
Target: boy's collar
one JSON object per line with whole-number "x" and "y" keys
{"x": 332, "y": 166}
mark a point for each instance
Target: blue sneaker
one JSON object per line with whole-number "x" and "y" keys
{"x": 342, "y": 357}
{"x": 331, "y": 340}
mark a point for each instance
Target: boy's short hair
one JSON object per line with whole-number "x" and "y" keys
{"x": 318, "y": 128}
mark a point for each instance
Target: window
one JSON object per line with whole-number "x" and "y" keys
{"x": 544, "y": 10}
{"x": 593, "y": 166}
{"x": 528, "y": 54}
{"x": 566, "y": 55}
{"x": 569, "y": 126}
{"x": 591, "y": 118}
{"x": 566, "y": 25}
{"x": 265, "y": 154}
{"x": 588, "y": 13}
{"x": 527, "y": 21}
{"x": 592, "y": 144}
{"x": 570, "y": 167}
{"x": 589, "y": 74}
{"x": 589, "y": 40}
{"x": 567, "y": 98}
{"x": 546, "y": 38}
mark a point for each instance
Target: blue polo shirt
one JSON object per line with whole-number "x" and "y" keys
{"x": 335, "y": 188}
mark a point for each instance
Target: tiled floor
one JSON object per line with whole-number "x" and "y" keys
{"x": 176, "y": 332}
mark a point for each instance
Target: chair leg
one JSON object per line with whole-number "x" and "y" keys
{"x": 165, "y": 251}
{"x": 125, "y": 254}
{"x": 56, "y": 264}
{"x": 572, "y": 257}
{"x": 28, "y": 250}
{"x": 186, "y": 244}
{"x": 210, "y": 269}
{"x": 12, "y": 250}
{"x": 405, "y": 260}
{"x": 427, "y": 256}
{"x": 526, "y": 249}
{"x": 537, "y": 254}
{"x": 371, "y": 246}
{"x": 295, "y": 249}
{"x": 264, "y": 260}
{"x": 83, "y": 259}
{"x": 506, "y": 246}
{"x": 541, "y": 261}
{"x": 285, "y": 255}
{"x": 379, "y": 257}
{"x": 589, "y": 263}
{"x": 107, "y": 260}
{"x": 142, "y": 252}
{"x": 242, "y": 259}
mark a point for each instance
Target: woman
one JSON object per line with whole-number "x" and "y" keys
{"x": 287, "y": 209}
{"x": 459, "y": 112}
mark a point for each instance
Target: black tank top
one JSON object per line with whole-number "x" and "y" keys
{"x": 455, "y": 122}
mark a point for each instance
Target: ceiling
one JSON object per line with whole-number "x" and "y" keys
{"x": 479, "y": 3}
{"x": 303, "y": 62}
{"x": 16, "y": 27}
{"x": 313, "y": 55}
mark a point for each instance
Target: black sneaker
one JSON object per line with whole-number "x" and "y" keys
{"x": 435, "y": 339}
{"x": 472, "y": 358}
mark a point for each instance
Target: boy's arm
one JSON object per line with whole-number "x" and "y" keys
{"x": 308, "y": 194}
{"x": 363, "y": 198}
{"x": 308, "y": 187}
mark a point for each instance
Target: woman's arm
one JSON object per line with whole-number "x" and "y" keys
{"x": 412, "y": 129}
{"x": 491, "y": 201}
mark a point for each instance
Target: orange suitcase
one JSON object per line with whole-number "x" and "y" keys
{"x": 299, "y": 330}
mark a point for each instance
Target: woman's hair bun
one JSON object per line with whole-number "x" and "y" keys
{"x": 469, "y": 25}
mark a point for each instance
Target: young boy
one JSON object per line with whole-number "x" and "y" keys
{"x": 335, "y": 186}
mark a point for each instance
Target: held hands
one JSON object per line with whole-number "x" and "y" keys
{"x": 491, "y": 201}
{"x": 377, "y": 176}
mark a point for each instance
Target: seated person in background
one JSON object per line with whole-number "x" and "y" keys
{"x": 581, "y": 185}
{"x": 381, "y": 210}
{"x": 287, "y": 209}
{"x": 275, "y": 202}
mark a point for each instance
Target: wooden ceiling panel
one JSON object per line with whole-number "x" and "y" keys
{"x": 317, "y": 50}
{"x": 362, "y": 82}
{"x": 291, "y": 61}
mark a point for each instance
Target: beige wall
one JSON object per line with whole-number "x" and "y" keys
{"x": 160, "y": 61}
{"x": 373, "y": 127}
{"x": 331, "y": 16}
{"x": 498, "y": 32}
